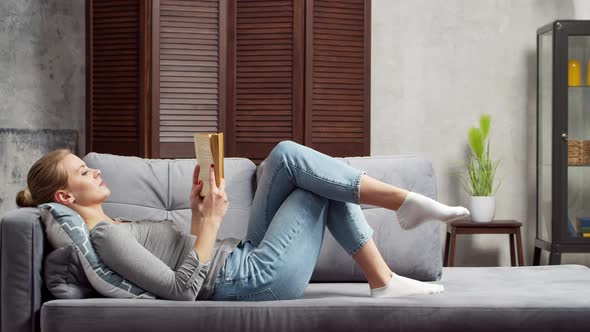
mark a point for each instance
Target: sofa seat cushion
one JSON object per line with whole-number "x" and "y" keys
{"x": 539, "y": 298}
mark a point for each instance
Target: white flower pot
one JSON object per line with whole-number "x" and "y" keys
{"x": 483, "y": 208}
{"x": 581, "y": 9}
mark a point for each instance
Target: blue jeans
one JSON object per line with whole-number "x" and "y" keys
{"x": 300, "y": 191}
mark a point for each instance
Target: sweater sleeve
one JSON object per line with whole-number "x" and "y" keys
{"x": 121, "y": 252}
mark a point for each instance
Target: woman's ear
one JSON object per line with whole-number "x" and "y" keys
{"x": 63, "y": 197}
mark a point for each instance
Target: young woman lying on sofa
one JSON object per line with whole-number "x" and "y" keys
{"x": 285, "y": 228}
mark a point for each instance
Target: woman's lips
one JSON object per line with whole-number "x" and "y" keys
{"x": 101, "y": 183}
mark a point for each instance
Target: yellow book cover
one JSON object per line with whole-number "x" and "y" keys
{"x": 209, "y": 150}
{"x": 586, "y": 234}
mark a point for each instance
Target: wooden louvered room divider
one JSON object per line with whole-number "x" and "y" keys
{"x": 115, "y": 118}
{"x": 302, "y": 72}
{"x": 337, "y": 96}
{"x": 261, "y": 71}
{"x": 155, "y": 75}
{"x": 189, "y": 74}
{"x": 266, "y": 89}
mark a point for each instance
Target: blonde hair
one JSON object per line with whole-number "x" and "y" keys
{"x": 46, "y": 176}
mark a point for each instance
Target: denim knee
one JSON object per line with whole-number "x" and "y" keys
{"x": 284, "y": 147}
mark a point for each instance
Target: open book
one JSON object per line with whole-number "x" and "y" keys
{"x": 209, "y": 150}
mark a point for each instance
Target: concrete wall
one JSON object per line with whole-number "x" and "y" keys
{"x": 42, "y": 71}
{"x": 436, "y": 67}
{"x": 23, "y": 147}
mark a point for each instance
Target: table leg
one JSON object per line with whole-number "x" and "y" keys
{"x": 452, "y": 247}
{"x": 537, "y": 256}
{"x": 554, "y": 258}
{"x": 519, "y": 245}
{"x": 447, "y": 241}
{"x": 512, "y": 256}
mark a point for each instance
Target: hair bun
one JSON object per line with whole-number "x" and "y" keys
{"x": 24, "y": 198}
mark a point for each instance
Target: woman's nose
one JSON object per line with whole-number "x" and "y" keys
{"x": 97, "y": 172}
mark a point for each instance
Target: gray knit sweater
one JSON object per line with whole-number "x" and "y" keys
{"x": 159, "y": 257}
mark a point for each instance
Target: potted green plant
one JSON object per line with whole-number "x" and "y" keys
{"x": 481, "y": 172}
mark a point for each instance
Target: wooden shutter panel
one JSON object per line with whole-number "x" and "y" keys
{"x": 265, "y": 106}
{"x": 189, "y": 80}
{"x": 113, "y": 121}
{"x": 338, "y": 77}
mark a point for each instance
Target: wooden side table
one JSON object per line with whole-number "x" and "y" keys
{"x": 511, "y": 227}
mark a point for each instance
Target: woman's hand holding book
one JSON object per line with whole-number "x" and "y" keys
{"x": 213, "y": 207}
{"x": 207, "y": 212}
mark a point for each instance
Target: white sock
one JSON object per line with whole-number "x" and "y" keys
{"x": 417, "y": 209}
{"x": 402, "y": 286}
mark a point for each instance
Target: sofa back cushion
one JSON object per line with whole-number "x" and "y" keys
{"x": 412, "y": 253}
{"x": 159, "y": 189}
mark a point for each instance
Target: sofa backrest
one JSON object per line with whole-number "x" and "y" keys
{"x": 159, "y": 189}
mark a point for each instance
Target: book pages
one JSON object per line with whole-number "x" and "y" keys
{"x": 209, "y": 150}
{"x": 204, "y": 156}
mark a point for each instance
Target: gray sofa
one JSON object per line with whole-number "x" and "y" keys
{"x": 541, "y": 298}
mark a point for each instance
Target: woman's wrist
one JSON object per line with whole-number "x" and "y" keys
{"x": 196, "y": 218}
{"x": 211, "y": 222}
{"x": 206, "y": 241}
{"x": 196, "y": 223}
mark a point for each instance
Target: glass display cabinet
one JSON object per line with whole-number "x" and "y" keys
{"x": 563, "y": 139}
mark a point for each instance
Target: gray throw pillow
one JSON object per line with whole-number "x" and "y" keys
{"x": 64, "y": 276}
{"x": 64, "y": 226}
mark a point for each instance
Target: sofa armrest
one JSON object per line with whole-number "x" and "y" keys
{"x": 22, "y": 248}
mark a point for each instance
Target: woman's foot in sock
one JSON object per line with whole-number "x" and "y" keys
{"x": 417, "y": 209}
{"x": 401, "y": 286}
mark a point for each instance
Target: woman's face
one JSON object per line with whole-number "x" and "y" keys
{"x": 85, "y": 185}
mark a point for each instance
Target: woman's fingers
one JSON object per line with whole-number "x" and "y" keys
{"x": 199, "y": 187}
{"x": 212, "y": 184}
{"x": 197, "y": 184}
{"x": 196, "y": 174}
{"x": 218, "y": 191}
{"x": 196, "y": 189}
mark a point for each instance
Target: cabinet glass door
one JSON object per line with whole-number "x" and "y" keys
{"x": 577, "y": 225}
{"x": 544, "y": 167}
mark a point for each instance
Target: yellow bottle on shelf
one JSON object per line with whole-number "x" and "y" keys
{"x": 574, "y": 73}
